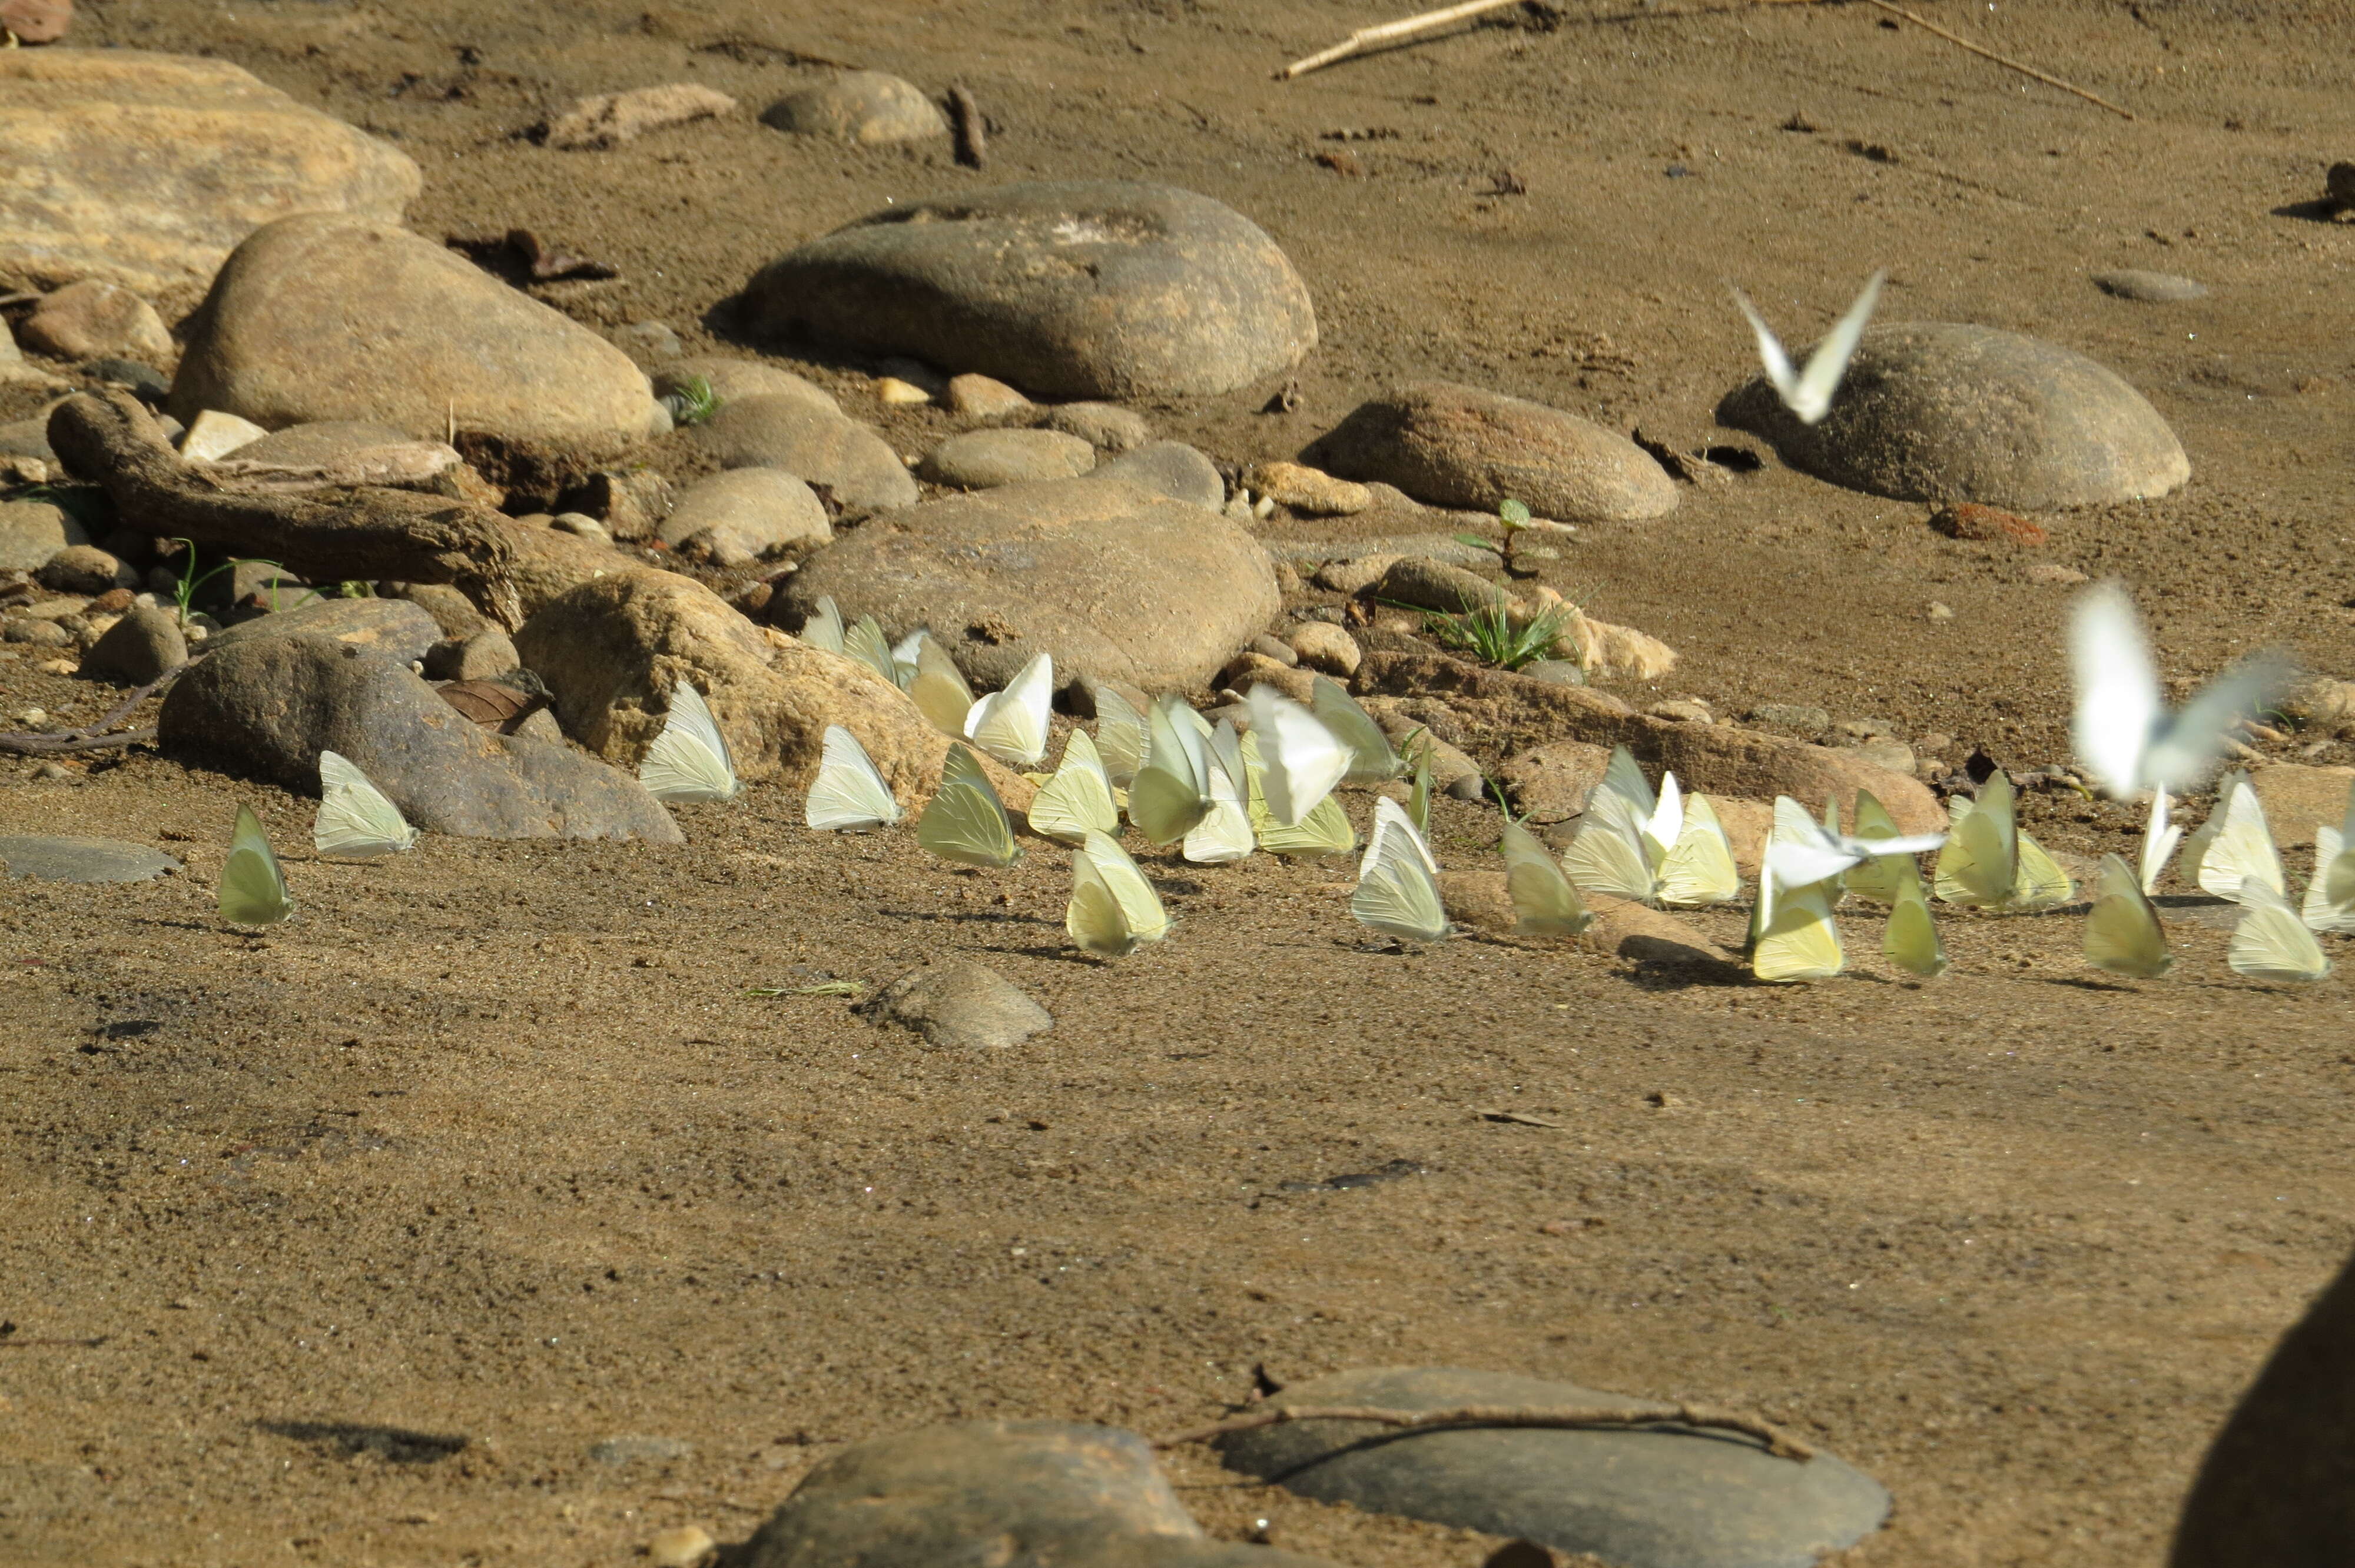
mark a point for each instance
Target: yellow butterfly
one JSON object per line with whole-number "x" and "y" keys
{"x": 1987, "y": 863}
{"x": 2122, "y": 931}
{"x": 965, "y": 822}
{"x": 1077, "y": 800}
{"x": 1545, "y": 901}
{"x": 1112, "y": 907}
{"x": 1911, "y": 942}
{"x": 253, "y": 887}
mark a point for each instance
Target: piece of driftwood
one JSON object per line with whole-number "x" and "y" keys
{"x": 1391, "y": 32}
{"x": 972, "y": 129}
{"x": 333, "y": 535}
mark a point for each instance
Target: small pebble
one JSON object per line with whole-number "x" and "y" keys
{"x": 32, "y": 718}
{"x": 581, "y": 525}
{"x": 892, "y": 390}
{"x": 52, "y": 770}
{"x": 1939, "y": 611}
{"x": 57, "y": 667}
{"x": 682, "y": 1546}
{"x": 1268, "y": 646}
{"x": 976, "y": 396}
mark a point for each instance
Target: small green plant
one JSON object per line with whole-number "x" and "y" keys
{"x": 184, "y": 592}
{"x": 1489, "y": 633}
{"x": 1512, "y": 516}
{"x": 355, "y": 589}
{"x": 692, "y": 402}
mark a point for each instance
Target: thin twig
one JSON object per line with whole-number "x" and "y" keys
{"x": 1779, "y": 1442}
{"x": 89, "y": 737}
{"x": 1404, "y": 28}
{"x": 972, "y": 132}
{"x": 2006, "y": 62}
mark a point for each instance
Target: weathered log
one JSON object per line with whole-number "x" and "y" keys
{"x": 340, "y": 533}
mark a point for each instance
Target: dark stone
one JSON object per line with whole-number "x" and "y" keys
{"x": 963, "y": 1004}
{"x": 397, "y": 627}
{"x": 1080, "y": 289}
{"x": 1656, "y": 1497}
{"x": 138, "y": 648}
{"x": 82, "y": 859}
{"x": 273, "y": 704}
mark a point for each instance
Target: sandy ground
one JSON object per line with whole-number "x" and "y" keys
{"x": 377, "y": 1224}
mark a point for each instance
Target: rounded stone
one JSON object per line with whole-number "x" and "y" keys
{"x": 1114, "y": 582}
{"x": 1106, "y": 425}
{"x": 734, "y": 380}
{"x": 319, "y": 443}
{"x": 82, "y": 569}
{"x": 863, "y": 106}
{"x": 819, "y": 447}
{"x": 2151, "y": 287}
{"x": 82, "y": 859}
{"x": 95, "y": 318}
{"x": 1451, "y": 445}
{"x": 962, "y": 1006}
{"x": 138, "y": 648}
{"x": 976, "y": 396}
{"x": 984, "y": 459}
{"x": 326, "y": 317}
{"x": 1321, "y": 645}
{"x": 31, "y": 531}
{"x": 1172, "y": 469}
{"x": 1071, "y": 289}
{"x": 739, "y": 515}
{"x": 1946, "y": 411}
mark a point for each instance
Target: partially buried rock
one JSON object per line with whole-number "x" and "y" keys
{"x": 82, "y": 569}
{"x": 33, "y": 531}
{"x": 1112, "y": 581}
{"x": 2150, "y": 288}
{"x": 396, "y": 628}
{"x": 82, "y": 859}
{"x": 984, "y": 459}
{"x": 1076, "y": 289}
{"x": 213, "y": 435}
{"x": 1451, "y": 445}
{"x": 732, "y": 380}
{"x": 326, "y": 317}
{"x": 93, "y": 317}
{"x": 1551, "y": 782}
{"x": 972, "y": 397}
{"x": 1106, "y": 425}
{"x": 855, "y": 463}
{"x": 741, "y": 516}
{"x": 151, "y": 167}
{"x": 962, "y": 1005}
{"x": 138, "y": 648}
{"x": 486, "y": 656}
{"x": 634, "y": 1449}
{"x": 610, "y": 118}
{"x": 272, "y": 704}
{"x": 863, "y": 106}
{"x": 1306, "y": 490}
{"x": 1011, "y": 1492}
{"x": 1321, "y": 645}
{"x": 320, "y": 442}
{"x": 1661, "y": 1496}
{"x": 1945, "y": 411}
{"x": 1172, "y": 469}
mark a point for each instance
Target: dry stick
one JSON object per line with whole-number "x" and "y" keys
{"x": 89, "y": 737}
{"x": 1404, "y": 28}
{"x": 2007, "y": 64}
{"x": 1779, "y": 1442}
{"x": 972, "y": 133}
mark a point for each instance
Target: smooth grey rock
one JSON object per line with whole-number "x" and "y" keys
{"x": 27, "y": 438}
{"x": 962, "y": 1005}
{"x": 984, "y": 459}
{"x": 1172, "y": 469}
{"x": 1555, "y": 671}
{"x": 789, "y": 432}
{"x": 453, "y": 613}
{"x": 1114, "y": 581}
{"x": 38, "y": 634}
{"x": 398, "y": 628}
{"x": 1020, "y": 1494}
{"x": 320, "y": 442}
{"x": 863, "y": 106}
{"x": 84, "y": 569}
{"x": 1451, "y": 445}
{"x": 82, "y": 859}
{"x": 322, "y": 317}
{"x": 1662, "y": 1497}
{"x": 1106, "y": 425}
{"x": 138, "y": 648}
{"x": 739, "y": 515}
{"x": 2151, "y": 287}
{"x": 1075, "y": 289}
{"x": 648, "y": 340}
{"x": 271, "y": 704}
{"x": 732, "y": 380}
{"x": 639, "y": 1450}
{"x": 1946, "y": 411}
{"x": 1434, "y": 584}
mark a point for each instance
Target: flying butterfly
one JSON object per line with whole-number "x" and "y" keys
{"x": 849, "y": 794}
{"x": 1078, "y": 800}
{"x": 964, "y": 822}
{"x": 1880, "y": 877}
{"x": 1545, "y": 902}
{"x": 2271, "y": 942}
{"x": 1325, "y": 831}
{"x": 689, "y": 760}
{"x": 2236, "y": 846}
{"x": 1012, "y": 724}
{"x": 253, "y": 887}
{"x": 2122, "y": 732}
{"x": 2159, "y": 838}
{"x": 1398, "y": 893}
{"x": 356, "y": 821}
{"x": 1371, "y": 757}
{"x": 1987, "y": 863}
{"x": 1112, "y": 907}
{"x": 2122, "y": 931}
{"x": 1809, "y": 393}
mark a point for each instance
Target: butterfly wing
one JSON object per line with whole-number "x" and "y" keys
{"x": 1396, "y": 894}
{"x": 1803, "y": 853}
{"x": 2331, "y": 894}
{"x": 356, "y": 820}
{"x": 1012, "y": 724}
{"x": 824, "y": 626}
{"x": 689, "y": 760}
{"x": 1300, "y": 759}
{"x": 939, "y": 689}
{"x": 849, "y": 794}
{"x": 1094, "y": 919}
{"x": 1120, "y": 736}
{"x": 865, "y": 641}
{"x": 2159, "y": 838}
{"x": 2271, "y": 942}
{"x": 1911, "y": 941}
{"x": 1372, "y": 757}
{"x": 1779, "y": 374}
{"x": 1607, "y": 856}
{"x": 1698, "y": 867}
{"x": 1224, "y": 833}
{"x": 2122, "y": 931}
{"x": 906, "y": 654}
{"x": 1077, "y": 800}
{"x": 252, "y": 886}
{"x": 2185, "y": 749}
{"x": 1811, "y": 399}
{"x": 965, "y": 822}
{"x": 2243, "y": 848}
{"x": 1390, "y": 822}
{"x": 1325, "y": 831}
{"x": 1140, "y": 907}
{"x": 1800, "y": 940}
{"x": 1979, "y": 864}
{"x": 2039, "y": 882}
{"x": 1545, "y": 901}
{"x": 1623, "y": 780}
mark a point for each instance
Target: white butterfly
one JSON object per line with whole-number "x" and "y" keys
{"x": 1371, "y": 756}
{"x": 2330, "y": 896}
{"x": 2159, "y": 838}
{"x": 1398, "y": 893}
{"x": 1120, "y": 736}
{"x": 2236, "y": 846}
{"x": 2122, "y": 732}
{"x": 1793, "y": 935}
{"x": 907, "y": 655}
{"x": 866, "y": 644}
{"x": 823, "y": 629}
{"x": 1809, "y": 393}
{"x": 689, "y": 760}
{"x": 938, "y": 687}
{"x": 849, "y": 794}
{"x": 1012, "y": 724}
{"x": 1171, "y": 793}
{"x": 1224, "y": 833}
{"x": 2271, "y": 942}
{"x": 1325, "y": 831}
{"x": 1392, "y": 823}
{"x": 1300, "y": 758}
{"x": 1654, "y": 849}
{"x": 1813, "y": 853}
{"x": 2122, "y": 931}
{"x": 356, "y": 821}
{"x": 1112, "y": 907}
{"x": 1077, "y": 800}
{"x": 1545, "y": 902}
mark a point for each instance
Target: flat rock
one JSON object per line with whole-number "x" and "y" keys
{"x": 1551, "y": 783}
{"x": 732, "y": 380}
{"x": 31, "y": 531}
{"x": 1024, "y": 1494}
{"x": 962, "y": 1005}
{"x": 146, "y": 169}
{"x": 213, "y": 435}
{"x": 984, "y": 459}
{"x": 1106, "y": 425}
{"x": 2150, "y": 288}
{"x": 2298, "y": 797}
{"x": 321, "y": 442}
{"x": 632, "y": 1449}
{"x": 138, "y": 648}
{"x": 95, "y": 318}
{"x": 863, "y": 106}
{"x": 1451, "y": 445}
{"x": 272, "y": 704}
{"x": 1067, "y": 289}
{"x": 1945, "y": 411}
{"x": 974, "y": 397}
{"x": 609, "y": 119}
{"x": 1309, "y": 491}
{"x": 743, "y": 514}
{"x": 1115, "y": 582}
{"x": 82, "y": 859}
{"x": 326, "y": 317}
{"x": 792, "y": 433}
{"x": 1655, "y": 1497}
{"x": 398, "y": 629}
{"x": 1172, "y": 469}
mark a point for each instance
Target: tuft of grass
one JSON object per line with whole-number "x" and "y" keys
{"x": 1489, "y": 634}
{"x": 693, "y": 403}
{"x": 185, "y": 591}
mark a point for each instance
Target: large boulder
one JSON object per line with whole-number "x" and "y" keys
{"x": 1452, "y": 445}
{"x": 326, "y": 317}
{"x": 1078, "y": 287}
{"x": 612, "y": 650}
{"x": 1114, "y": 581}
{"x": 1946, "y": 411}
{"x": 146, "y": 169}
{"x": 271, "y": 704}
